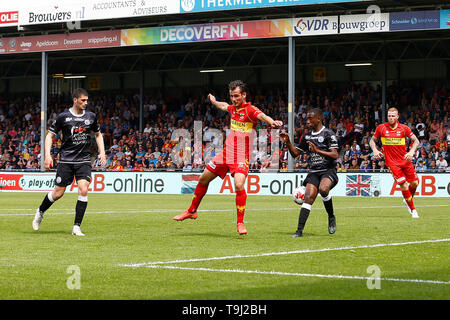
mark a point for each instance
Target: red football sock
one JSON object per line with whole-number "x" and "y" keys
{"x": 409, "y": 199}
{"x": 241, "y": 200}
{"x": 412, "y": 190}
{"x": 199, "y": 192}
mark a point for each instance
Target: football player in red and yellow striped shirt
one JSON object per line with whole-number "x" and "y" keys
{"x": 234, "y": 157}
{"x": 393, "y": 138}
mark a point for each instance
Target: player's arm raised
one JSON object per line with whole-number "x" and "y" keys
{"x": 218, "y": 104}
{"x": 48, "y": 161}
{"x": 273, "y": 123}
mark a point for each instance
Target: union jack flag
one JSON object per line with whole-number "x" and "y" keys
{"x": 358, "y": 185}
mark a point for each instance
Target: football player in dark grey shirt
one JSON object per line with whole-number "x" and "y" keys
{"x": 76, "y": 125}
{"x": 76, "y": 138}
{"x": 322, "y": 144}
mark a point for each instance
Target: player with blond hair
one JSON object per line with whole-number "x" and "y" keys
{"x": 393, "y": 136}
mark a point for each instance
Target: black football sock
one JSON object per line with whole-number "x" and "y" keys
{"x": 80, "y": 209}
{"x": 304, "y": 214}
{"x": 328, "y": 203}
{"x": 46, "y": 203}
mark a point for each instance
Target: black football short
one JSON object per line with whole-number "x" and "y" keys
{"x": 67, "y": 171}
{"x": 315, "y": 178}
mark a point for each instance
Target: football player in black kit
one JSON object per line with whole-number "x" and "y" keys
{"x": 75, "y": 124}
{"x": 322, "y": 177}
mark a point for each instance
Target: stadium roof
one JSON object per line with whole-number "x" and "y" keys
{"x": 392, "y": 46}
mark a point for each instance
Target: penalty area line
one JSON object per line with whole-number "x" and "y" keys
{"x": 379, "y": 245}
{"x": 329, "y": 276}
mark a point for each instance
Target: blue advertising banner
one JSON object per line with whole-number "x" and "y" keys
{"x": 218, "y": 5}
{"x": 445, "y": 19}
{"x": 414, "y": 20}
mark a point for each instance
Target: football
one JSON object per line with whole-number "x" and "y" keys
{"x": 298, "y": 195}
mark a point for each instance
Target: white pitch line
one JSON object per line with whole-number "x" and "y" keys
{"x": 298, "y": 274}
{"x": 146, "y": 264}
{"x": 71, "y": 211}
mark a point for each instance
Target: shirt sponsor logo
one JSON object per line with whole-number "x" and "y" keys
{"x": 392, "y": 141}
{"x": 78, "y": 130}
{"x": 241, "y": 126}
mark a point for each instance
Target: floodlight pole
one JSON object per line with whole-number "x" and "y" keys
{"x": 384, "y": 86}
{"x": 44, "y": 77}
{"x": 291, "y": 97}
{"x": 141, "y": 96}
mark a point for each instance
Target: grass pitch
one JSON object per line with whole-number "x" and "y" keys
{"x": 134, "y": 250}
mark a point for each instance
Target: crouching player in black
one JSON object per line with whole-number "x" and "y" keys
{"x": 322, "y": 177}
{"x": 75, "y": 124}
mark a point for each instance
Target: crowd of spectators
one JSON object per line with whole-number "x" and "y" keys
{"x": 352, "y": 112}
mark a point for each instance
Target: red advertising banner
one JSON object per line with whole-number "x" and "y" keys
{"x": 55, "y": 42}
{"x": 9, "y": 17}
{"x": 10, "y": 182}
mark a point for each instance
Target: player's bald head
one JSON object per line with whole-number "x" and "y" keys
{"x": 392, "y": 116}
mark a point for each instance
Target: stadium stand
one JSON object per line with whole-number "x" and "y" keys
{"x": 352, "y": 112}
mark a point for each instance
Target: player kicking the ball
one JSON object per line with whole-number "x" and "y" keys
{"x": 322, "y": 177}
{"x": 393, "y": 138}
{"x": 234, "y": 157}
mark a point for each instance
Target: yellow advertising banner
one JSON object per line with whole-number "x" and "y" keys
{"x": 319, "y": 74}
{"x": 94, "y": 83}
